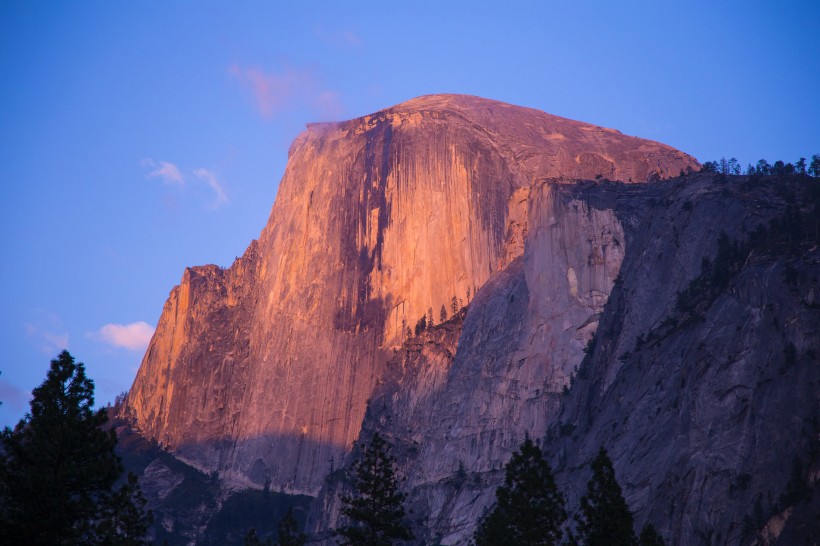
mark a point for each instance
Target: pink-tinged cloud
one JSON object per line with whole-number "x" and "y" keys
{"x": 329, "y": 105}
{"x": 220, "y": 198}
{"x": 165, "y": 171}
{"x": 134, "y": 336}
{"x": 278, "y": 92}
{"x": 46, "y": 330}
{"x": 13, "y": 397}
{"x": 351, "y": 38}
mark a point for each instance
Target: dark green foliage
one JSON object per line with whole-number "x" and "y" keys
{"x": 375, "y": 511}
{"x": 421, "y": 325}
{"x": 763, "y": 168}
{"x": 125, "y": 520}
{"x": 289, "y": 531}
{"x": 529, "y": 509}
{"x": 263, "y": 511}
{"x": 714, "y": 276}
{"x": 59, "y": 468}
{"x": 814, "y": 166}
{"x": 650, "y": 537}
{"x": 605, "y": 519}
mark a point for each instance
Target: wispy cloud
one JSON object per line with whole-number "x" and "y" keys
{"x": 46, "y": 329}
{"x": 134, "y": 336}
{"x": 210, "y": 178}
{"x": 165, "y": 171}
{"x": 289, "y": 89}
{"x": 171, "y": 174}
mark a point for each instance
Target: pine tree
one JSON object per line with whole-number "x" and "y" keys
{"x": 58, "y": 470}
{"x": 454, "y": 305}
{"x": 125, "y": 521}
{"x": 530, "y": 509}
{"x": 375, "y": 511}
{"x": 650, "y": 537}
{"x": 430, "y": 322}
{"x": 442, "y": 314}
{"x": 605, "y": 519}
{"x": 289, "y": 533}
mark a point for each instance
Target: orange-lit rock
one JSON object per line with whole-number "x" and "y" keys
{"x": 262, "y": 371}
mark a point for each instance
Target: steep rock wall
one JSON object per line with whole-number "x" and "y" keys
{"x": 704, "y": 405}
{"x": 262, "y": 371}
{"x": 522, "y": 339}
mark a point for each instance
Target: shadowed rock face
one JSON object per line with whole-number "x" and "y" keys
{"x": 704, "y": 400}
{"x": 262, "y": 371}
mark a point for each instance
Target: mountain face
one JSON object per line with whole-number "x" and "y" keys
{"x": 700, "y": 300}
{"x": 262, "y": 371}
{"x": 671, "y": 320}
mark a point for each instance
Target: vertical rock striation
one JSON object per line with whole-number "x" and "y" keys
{"x": 262, "y": 371}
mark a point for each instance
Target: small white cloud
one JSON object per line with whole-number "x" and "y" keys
{"x": 167, "y": 172}
{"x": 210, "y": 178}
{"x": 134, "y": 336}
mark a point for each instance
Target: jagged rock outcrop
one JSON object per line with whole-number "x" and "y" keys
{"x": 702, "y": 379}
{"x": 262, "y": 371}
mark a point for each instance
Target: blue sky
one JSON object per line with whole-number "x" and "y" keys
{"x": 140, "y": 138}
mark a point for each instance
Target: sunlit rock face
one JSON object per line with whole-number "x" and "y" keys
{"x": 703, "y": 412}
{"x": 262, "y": 371}
{"x": 457, "y": 404}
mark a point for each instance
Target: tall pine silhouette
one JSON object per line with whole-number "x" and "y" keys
{"x": 375, "y": 510}
{"x": 530, "y": 509}
{"x": 59, "y": 468}
{"x": 605, "y": 519}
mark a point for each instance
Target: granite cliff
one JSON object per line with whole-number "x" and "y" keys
{"x": 701, "y": 379}
{"x": 262, "y": 371}
{"x": 670, "y": 316}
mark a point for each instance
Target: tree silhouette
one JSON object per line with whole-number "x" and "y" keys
{"x": 650, "y": 537}
{"x": 421, "y": 325}
{"x": 289, "y": 533}
{"x": 605, "y": 519}
{"x": 814, "y": 166}
{"x": 375, "y": 511}
{"x": 529, "y": 509}
{"x": 442, "y": 314}
{"x": 454, "y": 305}
{"x": 58, "y": 470}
